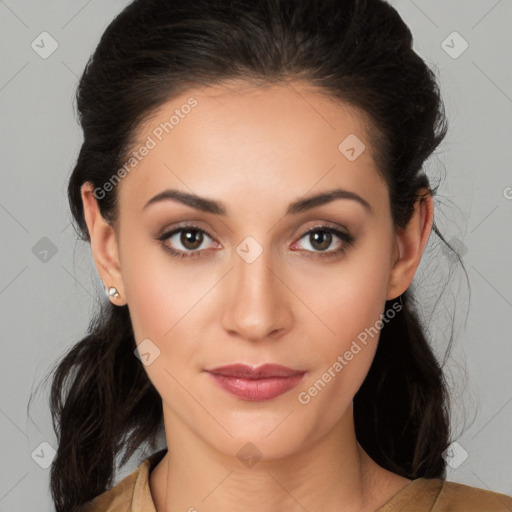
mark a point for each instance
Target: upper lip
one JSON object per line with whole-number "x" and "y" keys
{"x": 265, "y": 371}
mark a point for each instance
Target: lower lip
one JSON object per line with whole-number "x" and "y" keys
{"x": 257, "y": 389}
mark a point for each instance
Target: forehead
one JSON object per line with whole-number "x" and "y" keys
{"x": 277, "y": 140}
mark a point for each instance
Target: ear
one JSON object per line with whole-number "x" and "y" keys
{"x": 410, "y": 242}
{"x": 104, "y": 244}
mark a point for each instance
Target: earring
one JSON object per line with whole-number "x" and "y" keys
{"x": 112, "y": 292}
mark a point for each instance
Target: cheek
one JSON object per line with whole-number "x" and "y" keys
{"x": 351, "y": 306}
{"x": 159, "y": 290}
{"x": 165, "y": 303}
{"x": 342, "y": 360}
{"x": 354, "y": 293}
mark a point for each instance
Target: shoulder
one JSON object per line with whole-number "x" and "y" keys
{"x": 437, "y": 495}
{"x": 116, "y": 499}
{"x": 469, "y": 499}
{"x": 131, "y": 494}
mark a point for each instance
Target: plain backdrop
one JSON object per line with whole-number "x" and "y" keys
{"x": 48, "y": 286}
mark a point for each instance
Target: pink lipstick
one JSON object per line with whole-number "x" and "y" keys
{"x": 257, "y": 384}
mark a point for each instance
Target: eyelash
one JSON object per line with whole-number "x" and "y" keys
{"x": 347, "y": 239}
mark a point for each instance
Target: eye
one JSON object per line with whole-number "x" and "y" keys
{"x": 191, "y": 238}
{"x": 320, "y": 238}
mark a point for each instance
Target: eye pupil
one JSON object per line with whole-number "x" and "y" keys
{"x": 191, "y": 239}
{"x": 323, "y": 238}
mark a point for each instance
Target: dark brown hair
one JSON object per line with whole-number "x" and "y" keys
{"x": 359, "y": 51}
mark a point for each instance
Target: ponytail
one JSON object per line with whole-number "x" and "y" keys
{"x": 102, "y": 404}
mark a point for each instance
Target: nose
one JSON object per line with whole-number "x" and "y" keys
{"x": 258, "y": 306}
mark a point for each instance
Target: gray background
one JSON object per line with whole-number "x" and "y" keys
{"x": 47, "y": 298}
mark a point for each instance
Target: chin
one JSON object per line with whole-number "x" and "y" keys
{"x": 265, "y": 437}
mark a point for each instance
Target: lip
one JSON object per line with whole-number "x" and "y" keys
{"x": 259, "y": 383}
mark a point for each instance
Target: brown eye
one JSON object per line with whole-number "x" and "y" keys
{"x": 191, "y": 238}
{"x": 185, "y": 241}
{"x": 320, "y": 240}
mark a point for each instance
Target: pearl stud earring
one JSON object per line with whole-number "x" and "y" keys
{"x": 112, "y": 292}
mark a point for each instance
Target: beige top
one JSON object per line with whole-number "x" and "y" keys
{"x": 132, "y": 494}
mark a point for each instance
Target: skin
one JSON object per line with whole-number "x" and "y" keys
{"x": 256, "y": 150}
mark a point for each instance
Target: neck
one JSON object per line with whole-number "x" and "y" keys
{"x": 335, "y": 471}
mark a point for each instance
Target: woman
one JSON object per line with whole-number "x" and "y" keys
{"x": 251, "y": 185}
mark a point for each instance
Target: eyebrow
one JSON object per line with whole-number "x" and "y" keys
{"x": 218, "y": 208}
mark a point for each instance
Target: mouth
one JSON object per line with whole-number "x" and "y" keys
{"x": 260, "y": 383}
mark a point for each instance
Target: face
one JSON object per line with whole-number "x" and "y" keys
{"x": 261, "y": 276}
